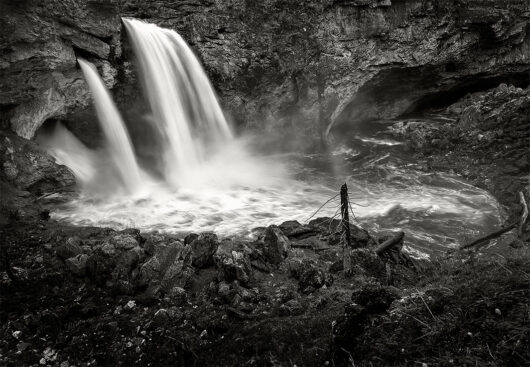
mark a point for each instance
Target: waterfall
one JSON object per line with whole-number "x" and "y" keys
{"x": 184, "y": 105}
{"x": 118, "y": 142}
{"x": 212, "y": 181}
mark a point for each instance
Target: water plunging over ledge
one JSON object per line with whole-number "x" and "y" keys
{"x": 184, "y": 106}
{"x": 117, "y": 138}
{"x": 212, "y": 180}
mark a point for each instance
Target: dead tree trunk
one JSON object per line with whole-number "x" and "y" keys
{"x": 345, "y": 229}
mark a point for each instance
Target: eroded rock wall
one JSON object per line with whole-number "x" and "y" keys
{"x": 297, "y": 67}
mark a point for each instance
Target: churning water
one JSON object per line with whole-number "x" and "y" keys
{"x": 212, "y": 181}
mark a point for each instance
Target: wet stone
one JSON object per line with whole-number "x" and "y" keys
{"x": 203, "y": 247}
{"x": 276, "y": 245}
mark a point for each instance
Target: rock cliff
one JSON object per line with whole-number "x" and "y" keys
{"x": 277, "y": 64}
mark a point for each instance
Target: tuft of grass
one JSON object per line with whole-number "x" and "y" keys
{"x": 467, "y": 314}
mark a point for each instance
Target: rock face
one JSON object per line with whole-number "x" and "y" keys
{"x": 27, "y": 167}
{"x": 38, "y": 70}
{"x": 296, "y": 67}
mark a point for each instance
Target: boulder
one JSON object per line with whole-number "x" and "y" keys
{"x": 203, "y": 247}
{"x": 190, "y": 238}
{"x": 233, "y": 263}
{"x": 135, "y": 233}
{"x": 113, "y": 262}
{"x": 153, "y": 240}
{"x": 276, "y": 245}
{"x": 124, "y": 241}
{"x": 366, "y": 263}
{"x": 170, "y": 266}
{"x": 309, "y": 275}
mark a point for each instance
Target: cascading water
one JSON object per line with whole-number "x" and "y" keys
{"x": 183, "y": 102}
{"x": 118, "y": 141}
{"x": 211, "y": 182}
{"x": 69, "y": 151}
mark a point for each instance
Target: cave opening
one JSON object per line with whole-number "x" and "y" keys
{"x": 445, "y": 98}
{"x": 414, "y": 92}
{"x": 82, "y": 125}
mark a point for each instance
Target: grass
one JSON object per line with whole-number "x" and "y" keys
{"x": 464, "y": 314}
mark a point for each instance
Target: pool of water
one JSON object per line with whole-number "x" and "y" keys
{"x": 387, "y": 187}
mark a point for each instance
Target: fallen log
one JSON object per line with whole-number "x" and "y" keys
{"x": 489, "y": 237}
{"x": 391, "y": 242}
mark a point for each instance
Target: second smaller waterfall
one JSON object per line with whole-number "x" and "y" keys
{"x": 118, "y": 141}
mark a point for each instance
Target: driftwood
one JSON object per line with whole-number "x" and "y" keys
{"x": 490, "y": 236}
{"x": 519, "y": 225}
{"x": 391, "y": 242}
